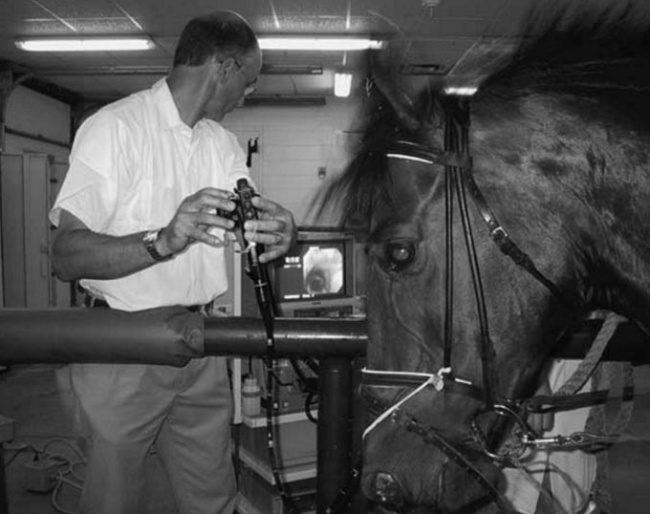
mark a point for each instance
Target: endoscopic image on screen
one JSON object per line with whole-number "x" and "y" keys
{"x": 322, "y": 270}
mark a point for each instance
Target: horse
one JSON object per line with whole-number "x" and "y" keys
{"x": 492, "y": 224}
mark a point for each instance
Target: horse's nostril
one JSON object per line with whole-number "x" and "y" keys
{"x": 385, "y": 489}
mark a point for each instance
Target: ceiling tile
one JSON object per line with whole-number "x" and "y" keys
{"x": 439, "y": 37}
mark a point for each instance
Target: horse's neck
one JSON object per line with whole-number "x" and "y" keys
{"x": 610, "y": 187}
{"x": 620, "y": 277}
{"x": 592, "y": 182}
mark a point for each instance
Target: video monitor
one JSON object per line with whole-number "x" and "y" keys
{"x": 315, "y": 269}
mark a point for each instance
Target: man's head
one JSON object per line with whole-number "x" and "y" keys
{"x": 222, "y": 33}
{"x": 224, "y": 46}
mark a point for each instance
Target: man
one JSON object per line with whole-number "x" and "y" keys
{"x": 137, "y": 223}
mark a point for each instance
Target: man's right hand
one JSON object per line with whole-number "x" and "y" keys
{"x": 194, "y": 219}
{"x": 78, "y": 252}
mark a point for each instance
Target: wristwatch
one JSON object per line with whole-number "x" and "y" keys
{"x": 149, "y": 241}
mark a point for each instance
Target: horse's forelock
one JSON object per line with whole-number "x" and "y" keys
{"x": 366, "y": 179}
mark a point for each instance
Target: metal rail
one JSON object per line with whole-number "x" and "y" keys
{"x": 173, "y": 336}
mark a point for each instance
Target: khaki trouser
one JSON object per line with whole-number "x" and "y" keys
{"x": 185, "y": 411}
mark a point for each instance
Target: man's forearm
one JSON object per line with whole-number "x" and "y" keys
{"x": 81, "y": 253}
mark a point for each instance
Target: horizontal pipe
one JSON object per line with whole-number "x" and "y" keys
{"x": 173, "y": 336}
{"x": 169, "y": 336}
{"x": 293, "y": 337}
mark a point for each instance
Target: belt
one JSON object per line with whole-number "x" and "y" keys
{"x": 97, "y": 303}
{"x": 91, "y": 301}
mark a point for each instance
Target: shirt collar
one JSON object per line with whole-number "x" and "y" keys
{"x": 165, "y": 102}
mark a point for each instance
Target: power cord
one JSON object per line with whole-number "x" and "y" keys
{"x": 50, "y": 470}
{"x": 66, "y": 474}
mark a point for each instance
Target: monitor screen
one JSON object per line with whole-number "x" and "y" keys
{"x": 313, "y": 269}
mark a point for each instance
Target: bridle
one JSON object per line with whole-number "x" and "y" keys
{"x": 459, "y": 183}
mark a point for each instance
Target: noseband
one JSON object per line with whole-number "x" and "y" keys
{"x": 459, "y": 182}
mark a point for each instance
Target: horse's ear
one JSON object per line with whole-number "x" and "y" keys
{"x": 429, "y": 106}
{"x": 384, "y": 68}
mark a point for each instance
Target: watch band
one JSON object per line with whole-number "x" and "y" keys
{"x": 149, "y": 240}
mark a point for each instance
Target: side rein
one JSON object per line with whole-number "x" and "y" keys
{"x": 458, "y": 167}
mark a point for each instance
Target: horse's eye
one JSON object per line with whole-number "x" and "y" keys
{"x": 399, "y": 255}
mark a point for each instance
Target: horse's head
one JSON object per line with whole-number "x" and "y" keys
{"x": 447, "y": 311}
{"x": 459, "y": 319}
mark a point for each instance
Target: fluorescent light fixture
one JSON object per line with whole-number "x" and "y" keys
{"x": 93, "y": 44}
{"x": 461, "y": 90}
{"x": 292, "y": 69}
{"x": 342, "y": 84}
{"x": 318, "y": 43}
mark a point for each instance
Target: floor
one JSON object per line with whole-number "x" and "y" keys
{"x": 38, "y": 398}
{"x": 39, "y": 401}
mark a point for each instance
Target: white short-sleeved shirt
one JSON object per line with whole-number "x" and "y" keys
{"x": 131, "y": 165}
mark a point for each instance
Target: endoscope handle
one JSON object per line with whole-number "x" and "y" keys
{"x": 245, "y": 210}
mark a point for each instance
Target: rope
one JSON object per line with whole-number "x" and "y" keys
{"x": 589, "y": 363}
{"x": 597, "y": 423}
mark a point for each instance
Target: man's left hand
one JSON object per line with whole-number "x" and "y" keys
{"x": 275, "y": 228}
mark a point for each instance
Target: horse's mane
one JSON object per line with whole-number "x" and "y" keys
{"x": 588, "y": 49}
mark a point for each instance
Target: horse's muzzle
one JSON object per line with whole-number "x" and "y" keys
{"x": 388, "y": 496}
{"x": 383, "y": 489}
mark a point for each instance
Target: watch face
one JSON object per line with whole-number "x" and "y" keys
{"x": 149, "y": 241}
{"x": 150, "y": 236}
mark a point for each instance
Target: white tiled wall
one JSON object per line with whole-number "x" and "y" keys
{"x": 294, "y": 143}
{"x": 39, "y": 115}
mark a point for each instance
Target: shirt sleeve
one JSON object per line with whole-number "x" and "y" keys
{"x": 89, "y": 190}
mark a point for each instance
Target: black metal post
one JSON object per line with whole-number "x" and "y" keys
{"x": 4, "y": 504}
{"x": 334, "y": 429}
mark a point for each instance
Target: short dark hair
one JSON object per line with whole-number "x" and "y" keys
{"x": 223, "y": 32}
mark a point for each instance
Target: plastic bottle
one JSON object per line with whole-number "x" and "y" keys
{"x": 250, "y": 397}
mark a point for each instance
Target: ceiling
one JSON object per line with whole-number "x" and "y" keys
{"x": 437, "y": 34}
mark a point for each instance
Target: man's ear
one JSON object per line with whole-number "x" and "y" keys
{"x": 227, "y": 67}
